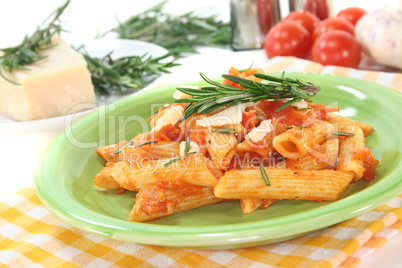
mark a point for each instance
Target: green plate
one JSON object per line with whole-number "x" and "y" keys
{"x": 63, "y": 178}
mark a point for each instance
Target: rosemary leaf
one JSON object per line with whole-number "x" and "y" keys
{"x": 264, "y": 175}
{"x": 271, "y": 88}
{"x": 174, "y": 160}
{"x": 123, "y": 146}
{"x": 301, "y": 109}
{"x": 179, "y": 34}
{"x": 126, "y": 74}
{"x": 187, "y": 146}
{"x": 286, "y": 104}
{"x": 224, "y": 130}
{"x": 340, "y": 133}
{"x": 145, "y": 143}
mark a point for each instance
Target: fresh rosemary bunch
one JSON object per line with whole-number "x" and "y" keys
{"x": 28, "y": 51}
{"x": 209, "y": 98}
{"x": 125, "y": 74}
{"x": 178, "y": 34}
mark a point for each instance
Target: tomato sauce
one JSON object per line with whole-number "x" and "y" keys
{"x": 249, "y": 120}
{"x": 248, "y": 74}
{"x": 288, "y": 116}
{"x": 321, "y": 110}
{"x": 369, "y": 163}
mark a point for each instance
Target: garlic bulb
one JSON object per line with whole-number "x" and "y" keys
{"x": 380, "y": 34}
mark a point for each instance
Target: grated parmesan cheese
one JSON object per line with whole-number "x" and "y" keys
{"x": 193, "y": 148}
{"x": 300, "y": 104}
{"x": 171, "y": 116}
{"x": 258, "y": 133}
{"x": 231, "y": 115}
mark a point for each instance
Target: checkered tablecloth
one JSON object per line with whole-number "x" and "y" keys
{"x": 30, "y": 236}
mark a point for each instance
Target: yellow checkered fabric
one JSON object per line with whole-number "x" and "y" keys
{"x": 30, "y": 235}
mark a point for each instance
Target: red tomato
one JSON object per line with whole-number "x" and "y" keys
{"x": 352, "y": 14}
{"x": 317, "y": 7}
{"x": 287, "y": 38}
{"x": 331, "y": 24}
{"x": 337, "y": 48}
{"x": 306, "y": 19}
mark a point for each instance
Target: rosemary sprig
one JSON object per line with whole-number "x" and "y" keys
{"x": 340, "y": 133}
{"x": 224, "y": 130}
{"x": 218, "y": 95}
{"x": 178, "y": 34}
{"x": 29, "y": 50}
{"x": 301, "y": 109}
{"x": 131, "y": 143}
{"x": 186, "y": 153}
{"x": 126, "y": 74}
{"x": 264, "y": 175}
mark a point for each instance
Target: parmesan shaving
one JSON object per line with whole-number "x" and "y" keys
{"x": 258, "y": 133}
{"x": 194, "y": 148}
{"x": 171, "y": 116}
{"x": 300, "y": 104}
{"x": 229, "y": 116}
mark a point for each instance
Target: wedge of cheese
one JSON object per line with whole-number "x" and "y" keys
{"x": 51, "y": 87}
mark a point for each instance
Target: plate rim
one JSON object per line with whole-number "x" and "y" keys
{"x": 357, "y": 203}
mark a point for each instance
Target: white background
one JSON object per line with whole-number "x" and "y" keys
{"x": 84, "y": 19}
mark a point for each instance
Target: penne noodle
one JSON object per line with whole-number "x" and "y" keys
{"x": 104, "y": 180}
{"x": 193, "y": 169}
{"x": 249, "y": 205}
{"x": 350, "y": 146}
{"x": 296, "y": 142}
{"x": 231, "y": 142}
{"x": 317, "y": 185}
{"x": 343, "y": 122}
{"x": 152, "y": 151}
{"x": 220, "y": 147}
{"x": 107, "y": 152}
{"x": 322, "y": 157}
{"x": 163, "y": 199}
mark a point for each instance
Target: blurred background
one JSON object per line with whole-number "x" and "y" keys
{"x": 86, "y": 18}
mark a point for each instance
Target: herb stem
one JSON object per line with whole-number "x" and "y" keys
{"x": 209, "y": 98}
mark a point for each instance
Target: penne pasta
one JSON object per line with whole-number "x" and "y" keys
{"x": 193, "y": 169}
{"x": 348, "y": 149}
{"x": 316, "y": 185}
{"x": 107, "y": 152}
{"x": 343, "y": 122}
{"x": 297, "y": 142}
{"x": 137, "y": 150}
{"x": 104, "y": 180}
{"x": 322, "y": 157}
{"x": 249, "y": 205}
{"x": 254, "y": 142}
{"x": 355, "y": 156}
{"x": 220, "y": 147}
{"x": 163, "y": 199}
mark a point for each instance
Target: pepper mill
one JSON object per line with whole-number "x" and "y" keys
{"x": 251, "y": 20}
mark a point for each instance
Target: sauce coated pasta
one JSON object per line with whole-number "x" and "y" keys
{"x": 246, "y": 139}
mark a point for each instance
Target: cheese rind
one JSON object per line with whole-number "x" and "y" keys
{"x": 51, "y": 87}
